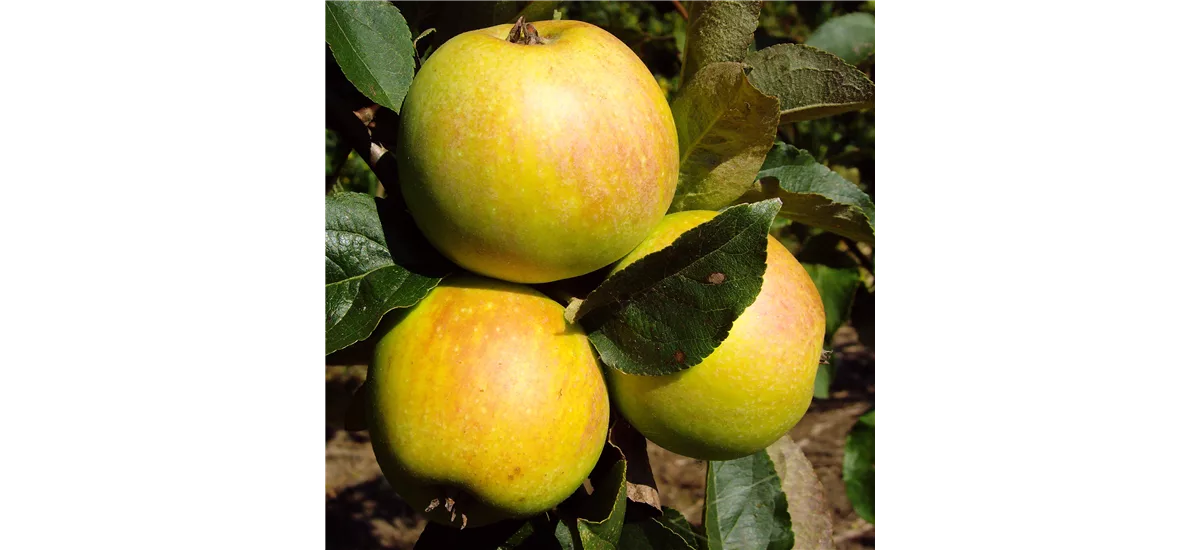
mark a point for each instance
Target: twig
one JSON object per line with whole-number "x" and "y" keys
{"x": 679, "y": 7}
{"x": 356, "y": 128}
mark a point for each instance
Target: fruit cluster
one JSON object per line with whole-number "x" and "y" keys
{"x": 531, "y": 154}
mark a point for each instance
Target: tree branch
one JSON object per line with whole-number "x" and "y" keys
{"x": 364, "y": 130}
{"x": 679, "y": 7}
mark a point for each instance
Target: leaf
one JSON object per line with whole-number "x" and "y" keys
{"x": 604, "y": 511}
{"x": 744, "y": 505}
{"x": 836, "y": 286}
{"x": 813, "y": 194}
{"x": 717, "y": 32}
{"x": 670, "y": 309}
{"x": 770, "y": 499}
{"x": 812, "y": 523}
{"x": 809, "y": 83}
{"x": 669, "y": 532}
{"x": 540, "y": 10}
{"x": 362, "y": 278}
{"x": 850, "y": 37}
{"x": 858, "y": 466}
{"x": 639, "y": 477}
{"x": 725, "y": 128}
{"x": 374, "y": 48}
{"x": 537, "y": 533}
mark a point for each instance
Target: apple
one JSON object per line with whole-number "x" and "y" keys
{"x": 754, "y": 387}
{"x": 483, "y": 404}
{"x": 536, "y": 159}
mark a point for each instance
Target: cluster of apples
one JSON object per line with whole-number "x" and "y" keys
{"x": 532, "y": 154}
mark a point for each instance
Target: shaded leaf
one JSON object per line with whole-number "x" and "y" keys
{"x": 858, "y": 466}
{"x": 537, "y": 533}
{"x": 362, "y": 279}
{"x": 813, "y": 194}
{"x": 809, "y": 83}
{"x": 744, "y": 505}
{"x": 599, "y": 526}
{"x": 670, "y": 309}
{"x": 639, "y": 478}
{"x": 717, "y": 32}
{"x": 539, "y": 10}
{"x": 812, "y": 523}
{"x": 850, "y": 37}
{"x": 725, "y": 128}
{"x": 374, "y": 48}
{"x": 670, "y": 532}
{"x": 826, "y": 372}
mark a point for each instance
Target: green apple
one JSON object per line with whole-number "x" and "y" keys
{"x": 536, "y": 162}
{"x": 483, "y": 404}
{"x": 754, "y": 387}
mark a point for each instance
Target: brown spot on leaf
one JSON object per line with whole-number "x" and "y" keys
{"x": 716, "y": 278}
{"x": 679, "y": 356}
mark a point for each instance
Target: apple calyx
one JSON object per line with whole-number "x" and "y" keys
{"x": 524, "y": 33}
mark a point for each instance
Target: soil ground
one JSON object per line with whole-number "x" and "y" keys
{"x": 362, "y": 512}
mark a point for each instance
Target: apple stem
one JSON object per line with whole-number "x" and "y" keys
{"x": 524, "y": 33}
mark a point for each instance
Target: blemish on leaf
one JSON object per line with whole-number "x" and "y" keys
{"x": 716, "y": 278}
{"x": 679, "y": 356}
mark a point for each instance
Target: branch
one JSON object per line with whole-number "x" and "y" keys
{"x": 363, "y": 130}
{"x": 679, "y": 7}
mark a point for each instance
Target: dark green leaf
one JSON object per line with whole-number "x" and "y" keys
{"x": 672, "y": 519}
{"x": 640, "y": 487}
{"x": 604, "y": 511}
{"x": 669, "y": 532}
{"x": 717, "y": 32}
{"x": 744, "y": 505}
{"x": 858, "y": 467}
{"x": 362, "y": 278}
{"x": 813, "y": 194}
{"x": 812, "y": 523}
{"x": 373, "y": 46}
{"x": 670, "y": 309}
{"x": 836, "y": 285}
{"x": 725, "y": 129}
{"x": 850, "y": 37}
{"x": 809, "y": 83}
{"x": 863, "y": 316}
{"x": 540, "y": 10}
{"x": 537, "y": 533}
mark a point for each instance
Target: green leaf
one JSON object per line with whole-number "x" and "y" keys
{"x": 836, "y": 285}
{"x": 771, "y": 499}
{"x": 717, "y": 32}
{"x": 640, "y": 487}
{"x": 669, "y": 532}
{"x": 670, "y": 309}
{"x": 850, "y": 37}
{"x": 372, "y": 44}
{"x": 858, "y": 466}
{"x": 825, "y": 375}
{"x": 813, "y": 194}
{"x": 604, "y": 511}
{"x": 725, "y": 128}
{"x": 744, "y": 505}
{"x": 812, "y": 523}
{"x": 540, "y": 10}
{"x": 809, "y": 83}
{"x": 537, "y": 533}
{"x": 362, "y": 278}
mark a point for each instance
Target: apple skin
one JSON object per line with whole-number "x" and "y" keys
{"x": 754, "y": 387}
{"x": 482, "y": 392}
{"x": 540, "y": 162}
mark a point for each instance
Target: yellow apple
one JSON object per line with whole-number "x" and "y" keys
{"x": 754, "y": 387}
{"x": 484, "y": 403}
{"x": 536, "y": 162}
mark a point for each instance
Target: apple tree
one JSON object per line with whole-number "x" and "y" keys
{"x": 767, "y": 135}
